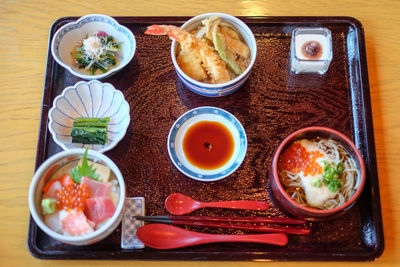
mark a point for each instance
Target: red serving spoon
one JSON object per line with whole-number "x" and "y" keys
{"x": 180, "y": 204}
{"x": 163, "y": 236}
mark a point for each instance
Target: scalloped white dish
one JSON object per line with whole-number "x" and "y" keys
{"x": 71, "y": 34}
{"x": 89, "y": 99}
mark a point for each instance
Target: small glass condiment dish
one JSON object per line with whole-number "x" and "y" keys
{"x": 311, "y": 50}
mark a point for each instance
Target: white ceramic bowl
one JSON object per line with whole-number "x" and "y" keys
{"x": 221, "y": 89}
{"x": 191, "y": 117}
{"x": 71, "y": 34}
{"x": 89, "y": 99}
{"x": 50, "y": 167}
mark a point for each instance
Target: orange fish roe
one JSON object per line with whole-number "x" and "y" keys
{"x": 296, "y": 159}
{"x": 72, "y": 196}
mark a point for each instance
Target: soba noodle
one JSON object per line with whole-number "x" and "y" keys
{"x": 336, "y": 153}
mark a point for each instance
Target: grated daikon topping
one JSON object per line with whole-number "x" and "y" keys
{"x": 93, "y": 46}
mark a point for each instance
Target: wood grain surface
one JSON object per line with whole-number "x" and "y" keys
{"x": 24, "y": 29}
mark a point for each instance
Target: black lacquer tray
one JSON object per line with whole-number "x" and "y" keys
{"x": 272, "y": 104}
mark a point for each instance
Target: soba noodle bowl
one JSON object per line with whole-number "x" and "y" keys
{"x": 318, "y": 173}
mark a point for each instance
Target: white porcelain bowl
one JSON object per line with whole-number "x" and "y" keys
{"x": 50, "y": 167}
{"x": 191, "y": 117}
{"x": 221, "y": 89}
{"x": 71, "y": 34}
{"x": 89, "y": 99}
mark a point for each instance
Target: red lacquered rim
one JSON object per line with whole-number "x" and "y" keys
{"x": 289, "y": 139}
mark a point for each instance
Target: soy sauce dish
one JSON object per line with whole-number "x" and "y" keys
{"x": 207, "y": 143}
{"x": 317, "y": 173}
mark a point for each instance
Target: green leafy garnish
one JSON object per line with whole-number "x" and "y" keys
{"x": 106, "y": 57}
{"x": 90, "y": 130}
{"x": 331, "y": 175}
{"x": 77, "y": 172}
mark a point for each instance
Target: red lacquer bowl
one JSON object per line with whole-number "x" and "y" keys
{"x": 291, "y": 205}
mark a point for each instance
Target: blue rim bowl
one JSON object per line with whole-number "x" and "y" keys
{"x": 221, "y": 89}
{"x": 69, "y": 35}
{"x": 184, "y": 122}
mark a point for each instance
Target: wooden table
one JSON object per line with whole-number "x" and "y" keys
{"x": 24, "y": 28}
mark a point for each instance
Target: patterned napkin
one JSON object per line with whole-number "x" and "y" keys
{"x": 134, "y": 206}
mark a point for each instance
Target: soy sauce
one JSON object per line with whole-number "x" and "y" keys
{"x": 208, "y": 145}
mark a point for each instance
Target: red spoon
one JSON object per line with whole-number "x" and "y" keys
{"x": 163, "y": 236}
{"x": 180, "y": 204}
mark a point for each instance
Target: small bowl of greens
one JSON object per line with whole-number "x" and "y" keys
{"x": 89, "y": 114}
{"x": 93, "y": 47}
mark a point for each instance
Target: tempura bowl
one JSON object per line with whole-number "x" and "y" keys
{"x": 71, "y": 34}
{"x": 50, "y": 167}
{"x": 298, "y": 210}
{"x": 221, "y": 89}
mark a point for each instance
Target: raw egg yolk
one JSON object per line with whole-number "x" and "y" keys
{"x": 296, "y": 159}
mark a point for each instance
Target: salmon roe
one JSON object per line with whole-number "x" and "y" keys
{"x": 72, "y": 196}
{"x": 296, "y": 159}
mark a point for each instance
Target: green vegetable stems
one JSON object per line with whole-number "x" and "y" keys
{"x": 90, "y": 130}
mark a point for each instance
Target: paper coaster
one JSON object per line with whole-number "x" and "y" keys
{"x": 134, "y": 206}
